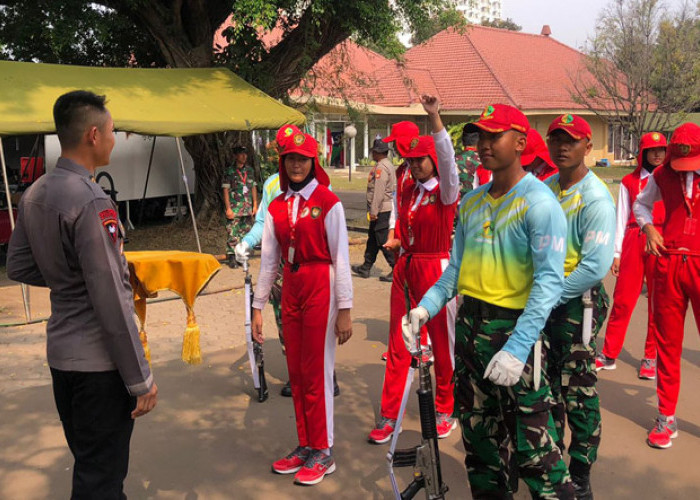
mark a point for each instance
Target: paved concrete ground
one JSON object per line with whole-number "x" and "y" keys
{"x": 210, "y": 439}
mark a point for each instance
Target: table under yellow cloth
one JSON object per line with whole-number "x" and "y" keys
{"x": 184, "y": 273}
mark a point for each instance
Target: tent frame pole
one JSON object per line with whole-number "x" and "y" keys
{"x": 148, "y": 174}
{"x": 25, "y": 288}
{"x": 187, "y": 192}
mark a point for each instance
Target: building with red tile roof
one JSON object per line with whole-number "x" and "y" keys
{"x": 466, "y": 69}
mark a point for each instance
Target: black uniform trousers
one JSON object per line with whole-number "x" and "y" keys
{"x": 377, "y": 236}
{"x": 95, "y": 410}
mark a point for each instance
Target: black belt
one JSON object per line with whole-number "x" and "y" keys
{"x": 478, "y": 308}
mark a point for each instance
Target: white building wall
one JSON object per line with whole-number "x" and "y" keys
{"x": 477, "y": 11}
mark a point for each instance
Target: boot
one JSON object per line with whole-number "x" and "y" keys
{"x": 581, "y": 477}
{"x": 286, "y": 390}
{"x": 362, "y": 271}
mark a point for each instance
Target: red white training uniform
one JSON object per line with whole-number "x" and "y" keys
{"x": 317, "y": 282}
{"x": 677, "y": 274}
{"x": 635, "y": 264}
{"x": 425, "y": 220}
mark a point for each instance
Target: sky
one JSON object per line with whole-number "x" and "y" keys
{"x": 571, "y": 21}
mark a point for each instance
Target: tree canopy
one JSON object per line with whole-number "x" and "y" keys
{"x": 644, "y": 63}
{"x": 180, "y": 33}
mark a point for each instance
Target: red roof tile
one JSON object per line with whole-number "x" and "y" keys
{"x": 484, "y": 65}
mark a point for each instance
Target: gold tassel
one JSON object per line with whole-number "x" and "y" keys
{"x": 191, "y": 352}
{"x": 146, "y": 348}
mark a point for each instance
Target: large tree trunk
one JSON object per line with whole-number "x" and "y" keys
{"x": 184, "y": 31}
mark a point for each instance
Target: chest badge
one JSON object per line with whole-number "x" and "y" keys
{"x": 304, "y": 213}
{"x": 433, "y": 198}
{"x": 315, "y": 212}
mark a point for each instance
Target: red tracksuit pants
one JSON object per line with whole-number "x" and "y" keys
{"x": 309, "y": 312}
{"x": 635, "y": 264}
{"x": 420, "y": 272}
{"x": 676, "y": 280}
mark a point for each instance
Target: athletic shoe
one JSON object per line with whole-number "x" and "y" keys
{"x": 361, "y": 271}
{"x": 385, "y": 355}
{"x": 647, "y": 369}
{"x": 660, "y": 436}
{"x": 292, "y": 462}
{"x": 602, "y": 362}
{"x": 383, "y": 432}
{"x": 286, "y": 390}
{"x": 445, "y": 425}
{"x": 315, "y": 469}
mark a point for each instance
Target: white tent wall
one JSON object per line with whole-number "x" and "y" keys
{"x": 129, "y": 165}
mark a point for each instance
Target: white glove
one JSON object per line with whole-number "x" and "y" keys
{"x": 504, "y": 369}
{"x": 411, "y": 325}
{"x": 242, "y": 251}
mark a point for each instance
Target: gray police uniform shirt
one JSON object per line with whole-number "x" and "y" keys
{"x": 381, "y": 184}
{"x": 68, "y": 238}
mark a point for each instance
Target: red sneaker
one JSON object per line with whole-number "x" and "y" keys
{"x": 292, "y": 462}
{"x": 647, "y": 369}
{"x": 385, "y": 355}
{"x": 665, "y": 429}
{"x": 445, "y": 425}
{"x": 383, "y": 432}
{"x": 315, "y": 469}
{"x": 602, "y": 362}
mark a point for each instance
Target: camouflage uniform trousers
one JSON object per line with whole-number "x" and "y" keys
{"x": 508, "y": 432}
{"x": 276, "y": 302}
{"x": 236, "y": 228}
{"x": 572, "y": 375}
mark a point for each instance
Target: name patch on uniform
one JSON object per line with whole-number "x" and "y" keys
{"x": 108, "y": 214}
{"x": 112, "y": 229}
{"x": 315, "y": 212}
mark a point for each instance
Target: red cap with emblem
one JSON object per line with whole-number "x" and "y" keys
{"x": 418, "y": 147}
{"x": 498, "y": 118}
{"x": 574, "y": 125}
{"x": 402, "y": 129}
{"x": 684, "y": 148}
{"x": 304, "y": 145}
{"x": 648, "y": 141}
{"x": 285, "y": 133}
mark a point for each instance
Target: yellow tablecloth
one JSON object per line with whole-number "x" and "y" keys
{"x": 184, "y": 273}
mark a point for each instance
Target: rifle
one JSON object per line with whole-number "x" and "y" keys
{"x": 425, "y": 458}
{"x": 255, "y": 350}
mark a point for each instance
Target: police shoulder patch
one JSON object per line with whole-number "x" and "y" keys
{"x": 112, "y": 228}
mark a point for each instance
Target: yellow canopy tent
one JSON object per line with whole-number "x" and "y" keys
{"x": 167, "y": 102}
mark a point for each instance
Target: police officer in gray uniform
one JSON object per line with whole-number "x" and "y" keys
{"x": 69, "y": 238}
{"x": 381, "y": 184}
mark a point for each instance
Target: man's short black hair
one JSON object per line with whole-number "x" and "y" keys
{"x": 74, "y": 112}
{"x": 470, "y": 138}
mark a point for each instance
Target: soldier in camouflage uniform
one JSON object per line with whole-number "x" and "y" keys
{"x": 512, "y": 426}
{"x": 506, "y": 264}
{"x": 467, "y": 162}
{"x": 240, "y": 199}
{"x": 572, "y": 377}
{"x": 590, "y": 217}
